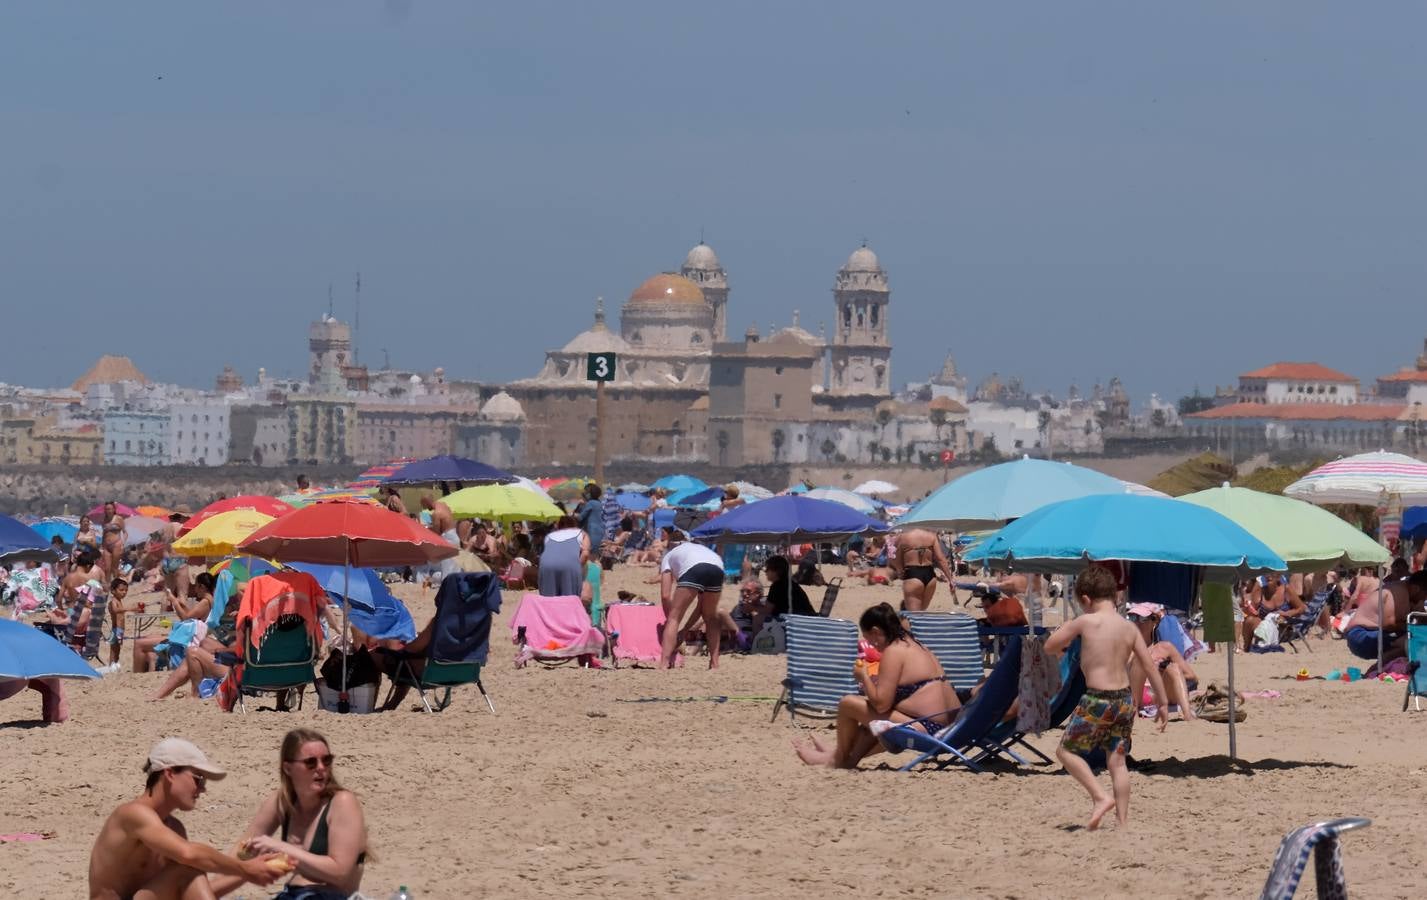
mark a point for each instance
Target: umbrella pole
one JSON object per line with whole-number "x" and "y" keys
{"x": 1381, "y": 603}
{"x": 1233, "y": 733}
{"x": 344, "y": 704}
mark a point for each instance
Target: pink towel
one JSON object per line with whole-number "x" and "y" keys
{"x": 555, "y": 628}
{"x": 638, "y": 629}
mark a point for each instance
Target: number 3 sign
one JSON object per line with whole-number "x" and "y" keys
{"x": 599, "y": 367}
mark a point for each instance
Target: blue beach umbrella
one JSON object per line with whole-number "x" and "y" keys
{"x": 26, "y": 652}
{"x": 677, "y": 483}
{"x": 633, "y": 502}
{"x": 1006, "y": 491}
{"x": 696, "y": 498}
{"x": 49, "y": 528}
{"x": 1061, "y": 537}
{"x": 372, "y": 608}
{"x": 21, "y": 543}
{"x": 362, "y": 591}
{"x": 787, "y": 518}
{"x": 468, "y": 472}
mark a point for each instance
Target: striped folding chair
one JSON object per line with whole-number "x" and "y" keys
{"x": 1319, "y": 839}
{"x": 821, "y": 653}
{"x": 954, "y": 641}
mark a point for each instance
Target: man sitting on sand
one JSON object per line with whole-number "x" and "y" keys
{"x": 143, "y": 852}
{"x": 1106, "y": 712}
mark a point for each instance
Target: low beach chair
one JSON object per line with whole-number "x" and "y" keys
{"x": 834, "y": 587}
{"x": 969, "y": 739}
{"x": 553, "y": 631}
{"x": 1072, "y": 688}
{"x": 1321, "y": 840}
{"x": 821, "y": 653}
{"x": 955, "y": 642}
{"x": 284, "y": 659}
{"x": 1294, "y": 631}
{"x": 1416, "y": 656}
{"x": 460, "y": 640}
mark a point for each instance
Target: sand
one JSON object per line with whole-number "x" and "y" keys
{"x": 572, "y": 790}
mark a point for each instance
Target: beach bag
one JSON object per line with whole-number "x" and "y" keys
{"x": 1213, "y": 706}
{"x": 1267, "y": 631}
{"x": 773, "y": 638}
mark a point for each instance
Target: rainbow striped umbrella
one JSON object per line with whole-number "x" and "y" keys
{"x": 1365, "y": 480}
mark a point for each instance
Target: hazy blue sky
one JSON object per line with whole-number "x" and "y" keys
{"x": 1171, "y": 192}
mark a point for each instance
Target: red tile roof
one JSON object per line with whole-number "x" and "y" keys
{"x": 1292, "y": 371}
{"x": 1406, "y": 375}
{"x": 1317, "y": 412}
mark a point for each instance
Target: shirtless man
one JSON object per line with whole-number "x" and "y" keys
{"x": 442, "y": 521}
{"x": 918, "y": 557}
{"x": 143, "y": 852}
{"x": 1400, "y": 598}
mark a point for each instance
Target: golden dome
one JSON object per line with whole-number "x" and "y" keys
{"x": 667, "y": 288}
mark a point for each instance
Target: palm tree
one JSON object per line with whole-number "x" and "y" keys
{"x": 938, "y": 419}
{"x": 828, "y": 448}
{"x": 778, "y": 438}
{"x": 884, "y": 416}
{"x": 872, "y": 448}
{"x": 722, "y": 440}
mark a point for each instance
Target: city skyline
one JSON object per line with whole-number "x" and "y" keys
{"x": 1063, "y": 195}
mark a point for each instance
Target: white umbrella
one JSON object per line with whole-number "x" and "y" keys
{"x": 523, "y": 482}
{"x": 874, "y": 487}
{"x": 1367, "y": 479}
{"x": 750, "y": 491}
{"x": 1141, "y": 490}
{"x": 846, "y": 498}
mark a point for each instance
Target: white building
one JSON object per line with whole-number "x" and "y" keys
{"x": 136, "y": 438}
{"x": 199, "y": 432}
{"x": 1288, "y": 382}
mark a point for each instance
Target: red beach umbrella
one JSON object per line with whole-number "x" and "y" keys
{"x": 341, "y": 533}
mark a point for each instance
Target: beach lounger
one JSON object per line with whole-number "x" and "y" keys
{"x": 834, "y": 586}
{"x": 1294, "y": 631}
{"x": 1416, "y": 656}
{"x": 284, "y": 659}
{"x": 1321, "y": 840}
{"x": 460, "y": 640}
{"x": 1072, "y": 687}
{"x": 954, "y": 641}
{"x": 821, "y": 653}
{"x": 969, "y": 739}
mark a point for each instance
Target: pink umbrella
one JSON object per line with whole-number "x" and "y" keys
{"x": 120, "y": 508}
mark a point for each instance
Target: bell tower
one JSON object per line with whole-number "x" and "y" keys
{"x": 860, "y": 353}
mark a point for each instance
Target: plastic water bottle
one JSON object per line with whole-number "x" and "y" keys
{"x": 401, "y": 894}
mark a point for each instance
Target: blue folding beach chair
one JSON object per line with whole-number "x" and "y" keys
{"x": 1294, "y": 631}
{"x": 953, "y": 640}
{"x": 971, "y": 732}
{"x": 821, "y": 653}
{"x": 1072, "y": 688}
{"x": 1416, "y": 656}
{"x": 1321, "y": 840}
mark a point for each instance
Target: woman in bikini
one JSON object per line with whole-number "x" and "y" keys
{"x": 319, "y": 824}
{"x": 1267, "y": 594}
{"x": 86, "y": 537}
{"x": 113, "y": 546}
{"x": 910, "y": 684}
{"x": 918, "y": 557}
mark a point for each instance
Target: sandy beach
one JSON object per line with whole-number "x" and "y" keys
{"x": 635, "y": 783}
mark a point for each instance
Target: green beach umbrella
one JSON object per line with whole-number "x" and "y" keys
{"x": 1308, "y": 538}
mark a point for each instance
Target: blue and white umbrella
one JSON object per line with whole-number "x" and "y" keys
{"x": 26, "y": 652}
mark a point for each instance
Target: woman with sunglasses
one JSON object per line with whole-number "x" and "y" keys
{"x": 319, "y": 824}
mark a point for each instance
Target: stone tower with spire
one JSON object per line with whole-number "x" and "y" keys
{"x": 702, "y": 267}
{"x": 860, "y": 354}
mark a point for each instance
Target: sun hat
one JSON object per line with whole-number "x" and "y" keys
{"x": 1144, "y": 610}
{"x": 176, "y": 753}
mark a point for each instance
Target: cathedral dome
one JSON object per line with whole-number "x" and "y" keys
{"x": 503, "y": 406}
{"x": 597, "y": 339}
{"x": 701, "y": 257}
{"x": 863, "y": 260}
{"x": 668, "y": 288}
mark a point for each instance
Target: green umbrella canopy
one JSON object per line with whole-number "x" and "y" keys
{"x": 1308, "y": 538}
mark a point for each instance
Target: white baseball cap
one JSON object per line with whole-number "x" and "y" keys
{"x": 176, "y": 753}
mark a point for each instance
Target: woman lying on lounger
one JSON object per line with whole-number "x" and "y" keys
{"x": 910, "y": 684}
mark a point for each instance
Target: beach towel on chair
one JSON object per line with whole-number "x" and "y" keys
{"x": 637, "y": 627}
{"x": 554, "y": 628}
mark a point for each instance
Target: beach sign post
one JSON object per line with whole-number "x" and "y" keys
{"x": 599, "y": 368}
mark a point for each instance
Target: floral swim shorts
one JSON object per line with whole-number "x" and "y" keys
{"x": 1102, "y": 720}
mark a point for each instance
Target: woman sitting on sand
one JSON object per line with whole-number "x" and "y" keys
{"x": 320, "y": 824}
{"x": 910, "y": 684}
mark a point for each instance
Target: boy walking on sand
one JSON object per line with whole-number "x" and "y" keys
{"x": 1102, "y": 720}
{"x": 118, "y": 590}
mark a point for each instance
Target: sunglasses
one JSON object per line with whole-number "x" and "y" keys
{"x": 312, "y": 761}
{"x": 199, "y": 778}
